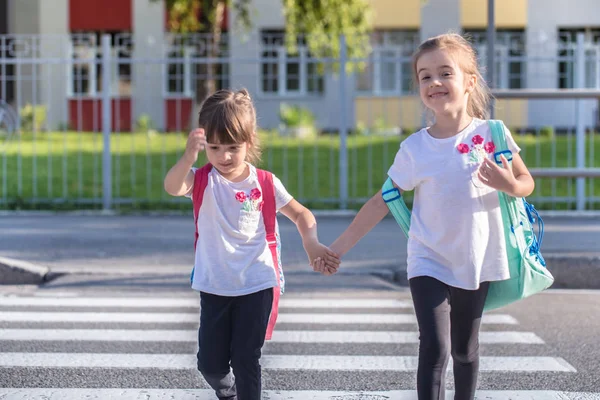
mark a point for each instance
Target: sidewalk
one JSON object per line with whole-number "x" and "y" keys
{"x": 164, "y": 245}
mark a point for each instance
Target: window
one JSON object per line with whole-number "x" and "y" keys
{"x": 85, "y": 76}
{"x": 389, "y": 67}
{"x": 191, "y": 62}
{"x": 288, "y": 74}
{"x": 567, "y": 52}
{"x": 510, "y": 52}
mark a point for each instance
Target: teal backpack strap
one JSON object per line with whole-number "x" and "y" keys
{"x": 507, "y": 202}
{"x": 392, "y": 197}
{"x": 499, "y": 139}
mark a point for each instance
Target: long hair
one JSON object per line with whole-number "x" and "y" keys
{"x": 479, "y": 99}
{"x": 229, "y": 117}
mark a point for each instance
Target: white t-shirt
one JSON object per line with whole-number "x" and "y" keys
{"x": 232, "y": 256}
{"x": 456, "y": 233}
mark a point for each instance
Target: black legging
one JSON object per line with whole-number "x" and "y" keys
{"x": 449, "y": 320}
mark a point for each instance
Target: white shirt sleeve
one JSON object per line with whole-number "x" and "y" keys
{"x": 402, "y": 169}
{"x": 282, "y": 197}
{"x": 510, "y": 141}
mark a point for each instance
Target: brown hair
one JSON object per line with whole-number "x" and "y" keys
{"x": 229, "y": 117}
{"x": 479, "y": 99}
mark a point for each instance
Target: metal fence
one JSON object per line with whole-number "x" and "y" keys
{"x": 89, "y": 121}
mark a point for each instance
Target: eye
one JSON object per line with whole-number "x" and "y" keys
{"x": 215, "y": 148}
{"x": 425, "y": 78}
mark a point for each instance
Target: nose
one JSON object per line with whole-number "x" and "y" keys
{"x": 434, "y": 83}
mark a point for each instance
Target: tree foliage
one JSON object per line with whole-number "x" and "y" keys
{"x": 320, "y": 22}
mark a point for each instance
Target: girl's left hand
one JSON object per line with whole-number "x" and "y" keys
{"x": 496, "y": 177}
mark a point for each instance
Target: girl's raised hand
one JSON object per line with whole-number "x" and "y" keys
{"x": 497, "y": 177}
{"x": 196, "y": 143}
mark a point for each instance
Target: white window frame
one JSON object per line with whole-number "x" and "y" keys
{"x": 90, "y": 60}
{"x": 188, "y": 52}
{"x": 90, "y": 53}
{"x": 592, "y": 78}
{"x": 282, "y": 77}
{"x": 502, "y": 63}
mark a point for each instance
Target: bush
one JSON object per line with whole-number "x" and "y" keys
{"x": 547, "y": 132}
{"x": 298, "y": 121}
{"x": 27, "y": 115}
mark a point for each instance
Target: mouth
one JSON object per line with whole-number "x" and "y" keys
{"x": 437, "y": 95}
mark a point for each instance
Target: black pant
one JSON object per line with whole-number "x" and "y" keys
{"x": 232, "y": 330}
{"x": 449, "y": 320}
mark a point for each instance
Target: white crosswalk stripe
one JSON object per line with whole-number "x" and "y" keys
{"x": 134, "y": 335}
{"x": 206, "y": 394}
{"x": 32, "y": 343}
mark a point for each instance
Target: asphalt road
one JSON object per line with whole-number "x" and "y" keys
{"x": 556, "y": 330}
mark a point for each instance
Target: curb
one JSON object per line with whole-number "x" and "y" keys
{"x": 17, "y": 272}
{"x": 570, "y": 272}
{"x": 317, "y": 212}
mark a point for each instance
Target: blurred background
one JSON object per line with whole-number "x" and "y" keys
{"x": 97, "y": 96}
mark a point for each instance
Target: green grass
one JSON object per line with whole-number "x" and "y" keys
{"x": 63, "y": 170}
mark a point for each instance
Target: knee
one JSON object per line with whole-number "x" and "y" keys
{"x": 208, "y": 366}
{"x": 244, "y": 359}
{"x": 465, "y": 355}
{"x": 434, "y": 348}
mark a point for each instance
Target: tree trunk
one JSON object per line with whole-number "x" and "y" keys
{"x": 206, "y": 82}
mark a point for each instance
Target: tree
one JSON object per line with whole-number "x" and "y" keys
{"x": 321, "y": 21}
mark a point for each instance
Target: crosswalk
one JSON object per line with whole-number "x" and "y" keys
{"x": 334, "y": 348}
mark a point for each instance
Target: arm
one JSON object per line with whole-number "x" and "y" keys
{"x": 307, "y": 227}
{"x": 513, "y": 179}
{"x": 369, "y": 215}
{"x": 180, "y": 178}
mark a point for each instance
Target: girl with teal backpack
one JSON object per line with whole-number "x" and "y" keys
{"x": 464, "y": 174}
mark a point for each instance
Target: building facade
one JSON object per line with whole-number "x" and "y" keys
{"x": 158, "y": 74}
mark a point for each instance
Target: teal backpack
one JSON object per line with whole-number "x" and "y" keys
{"x": 528, "y": 272}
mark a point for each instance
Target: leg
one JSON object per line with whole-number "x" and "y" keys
{"x": 250, "y": 319}
{"x": 214, "y": 343}
{"x": 465, "y": 317}
{"x": 430, "y": 298}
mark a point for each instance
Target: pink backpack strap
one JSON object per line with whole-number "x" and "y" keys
{"x": 269, "y": 212}
{"x": 200, "y": 183}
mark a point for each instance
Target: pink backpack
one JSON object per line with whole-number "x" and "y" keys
{"x": 269, "y": 213}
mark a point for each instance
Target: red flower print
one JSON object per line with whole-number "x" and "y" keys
{"x": 255, "y": 194}
{"x": 477, "y": 139}
{"x": 489, "y": 147}
{"x": 240, "y": 196}
{"x": 463, "y": 148}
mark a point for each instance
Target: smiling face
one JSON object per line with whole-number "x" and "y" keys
{"x": 443, "y": 86}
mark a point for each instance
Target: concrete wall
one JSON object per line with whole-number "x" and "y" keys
{"x": 440, "y": 16}
{"x": 54, "y": 23}
{"x": 542, "y": 37}
{"x": 508, "y": 14}
{"x": 147, "y": 77}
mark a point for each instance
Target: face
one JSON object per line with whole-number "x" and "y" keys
{"x": 228, "y": 159}
{"x": 443, "y": 86}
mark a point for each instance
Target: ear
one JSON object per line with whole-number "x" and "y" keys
{"x": 471, "y": 83}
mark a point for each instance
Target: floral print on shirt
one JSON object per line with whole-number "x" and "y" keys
{"x": 478, "y": 150}
{"x": 251, "y": 201}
